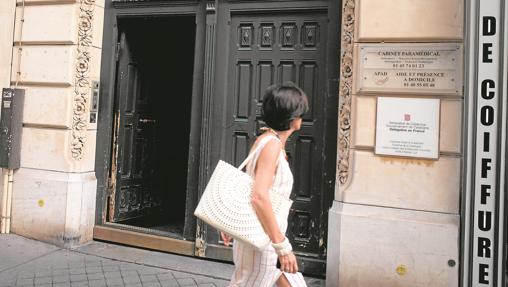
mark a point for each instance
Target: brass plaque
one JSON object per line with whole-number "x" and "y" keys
{"x": 410, "y": 69}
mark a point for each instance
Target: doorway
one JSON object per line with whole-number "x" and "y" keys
{"x": 181, "y": 88}
{"x": 259, "y": 45}
{"x": 154, "y": 80}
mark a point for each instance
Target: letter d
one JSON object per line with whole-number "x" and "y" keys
{"x": 489, "y": 26}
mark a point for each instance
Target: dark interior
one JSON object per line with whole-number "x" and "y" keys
{"x": 164, "y": 50}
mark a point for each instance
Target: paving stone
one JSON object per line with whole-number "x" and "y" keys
{"x": 93, "y": 269}
{"x": 148, "y": 278}
{"x": 179, "y": 275}
{"x": 216, "y": 282}
{"x": 95, "y": 276}
{"x": 202, "y": 280}
{"x": 43, "y": 280}
{"x": 151, "y": 284}
{"x": 186, "y": 282}
{"x": 43, "y": 273}
{"x": 60, "y": 265}
{"x": 26, "y": 274}
{"x": 165, "y": 277}
{"x": 93, "y": 264}
{"x": 129, "y": 273}
{"x": 97, "y": 283}
{"x": 112, "y": 274}
{"x": 23, "y": 282}
{"x": 80, "y": 284}
{"x": 108, "y": 262}
{"x": 76, "y": 265}
{"x": 114, "y": 281}
{"x": 9, "y": 275}
{"x": 131, "y": 279}
{"x": 169, "y": 283}
{"x": 75, "y": 271}
{"x": 78, "y": 278}
{"x": 111, "y": 268}
{"x": 61, "y": 278}
{"x": 149, "y": 271}
{"x": 89, "y": 259}
{"x": 60, "y": 271}
{"x": 66, "y": 284}
{"x": 127, "y": 267}
{"x": 12, "y": 282}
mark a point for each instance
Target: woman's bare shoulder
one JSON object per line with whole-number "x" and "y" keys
{"x": 271, "y": 142}
{"x": 271, "y": 148}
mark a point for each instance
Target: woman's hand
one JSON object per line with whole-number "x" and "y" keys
{"x": 226, "y": 238}
{"x": 288, "y": 263}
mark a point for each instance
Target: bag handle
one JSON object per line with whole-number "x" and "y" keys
{"x": 260, "y": 146}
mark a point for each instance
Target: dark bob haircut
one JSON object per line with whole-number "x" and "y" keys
{"x": 282, "y": 104}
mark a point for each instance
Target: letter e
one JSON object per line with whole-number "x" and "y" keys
{"x": 487, "y": 53}
{"x": 483, "y": 273}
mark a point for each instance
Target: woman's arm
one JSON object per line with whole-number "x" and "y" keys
{"x": 263, "y": 180}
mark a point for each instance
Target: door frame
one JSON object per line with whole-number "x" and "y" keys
{"x": 210, "y": 16}
{"x": 219, "y": 20}
{"x": 114, "y": 11}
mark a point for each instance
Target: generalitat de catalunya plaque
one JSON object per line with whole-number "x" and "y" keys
{"x": 410, "y": 68}
{"x": 408, "y": 127}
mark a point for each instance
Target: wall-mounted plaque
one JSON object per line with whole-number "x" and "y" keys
{"x": 408, "y": 127}
{"x": 410, "y": 68}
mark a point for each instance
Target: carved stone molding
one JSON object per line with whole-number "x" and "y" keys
{"x": 210, "y": 7}
{"x": 82, "y": 83}
{"x": 345, "y": 92}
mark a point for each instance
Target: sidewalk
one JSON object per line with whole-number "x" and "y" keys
{"x": 25, "y": 262}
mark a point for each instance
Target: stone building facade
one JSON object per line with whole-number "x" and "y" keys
{"x": 389, "y": 221}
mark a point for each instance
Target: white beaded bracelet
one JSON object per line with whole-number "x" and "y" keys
{"x": 283, "y": 248}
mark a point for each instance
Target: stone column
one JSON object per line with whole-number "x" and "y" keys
{"x": 394, "y": 221}
{"x": 55, "y": 188}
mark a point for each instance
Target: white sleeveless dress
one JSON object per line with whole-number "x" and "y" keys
{"x": 255, "y": 268}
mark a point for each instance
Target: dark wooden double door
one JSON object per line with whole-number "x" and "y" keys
{"x": 247, "y": 49}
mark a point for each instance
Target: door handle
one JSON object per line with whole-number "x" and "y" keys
{"x": 146, "y": 121}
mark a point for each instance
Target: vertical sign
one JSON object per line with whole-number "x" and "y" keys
{"x": 485, "y": 189}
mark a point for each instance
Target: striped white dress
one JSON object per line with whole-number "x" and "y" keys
{"x": 255, "y": 268}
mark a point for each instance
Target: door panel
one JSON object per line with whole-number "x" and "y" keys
{"x": 134, "y": 134}
{"x": 267, "y": 48}
{"x": 276, "y": 48}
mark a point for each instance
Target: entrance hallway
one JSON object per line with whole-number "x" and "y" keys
{"x": 154, "y": 109}
{"x": 27, "y": 262}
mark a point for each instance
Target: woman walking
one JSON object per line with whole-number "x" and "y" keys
{"x": 283, "y": 108}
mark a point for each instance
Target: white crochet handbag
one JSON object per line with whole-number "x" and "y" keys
{"x": 226, "y": 204}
